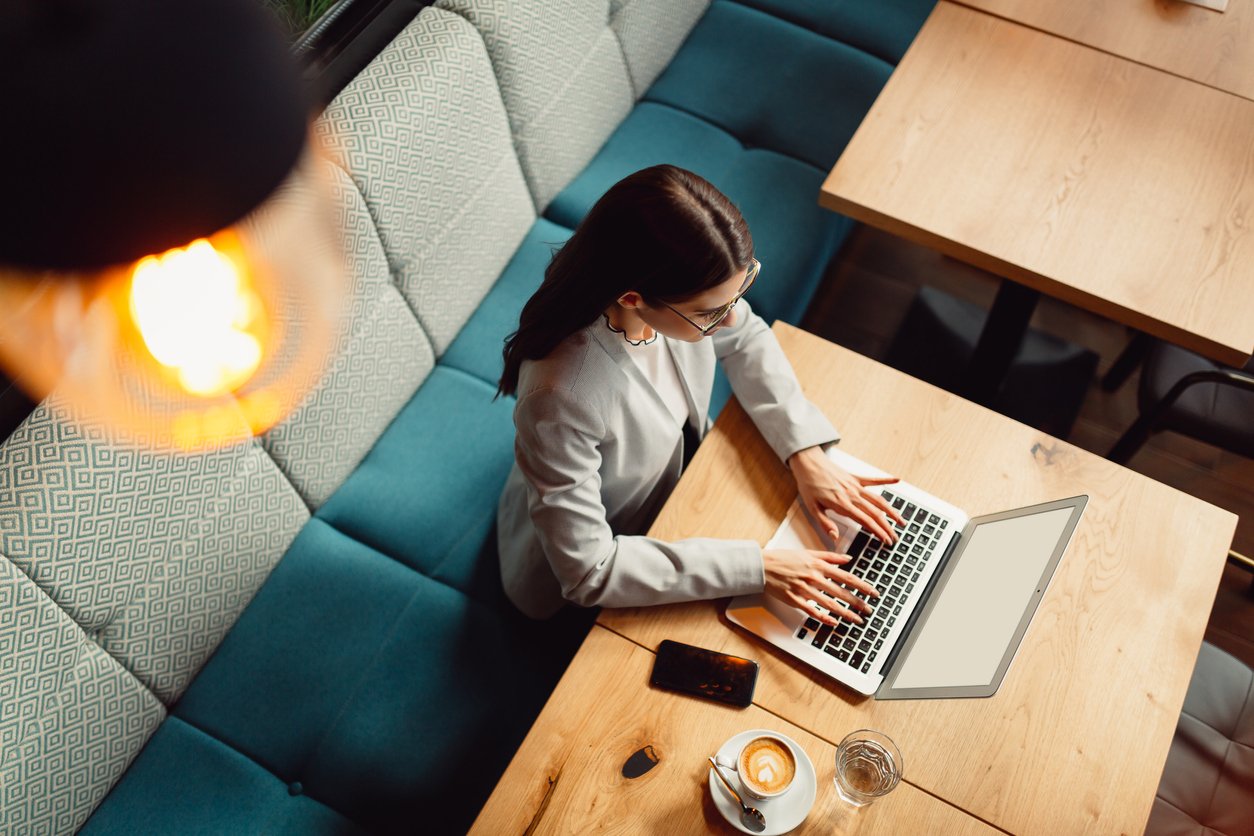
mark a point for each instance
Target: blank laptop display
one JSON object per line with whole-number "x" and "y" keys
{"x": 956, "y": 594}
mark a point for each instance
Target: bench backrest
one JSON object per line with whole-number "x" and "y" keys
{"x": 121, "y": 568}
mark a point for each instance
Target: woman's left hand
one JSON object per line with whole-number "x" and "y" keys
{"x": 822, "y": 485}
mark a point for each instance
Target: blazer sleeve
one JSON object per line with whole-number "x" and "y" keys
{"x": 766, "y": 386}
{"x": 557, "y": 448}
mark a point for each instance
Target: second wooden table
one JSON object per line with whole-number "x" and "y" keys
{"x": 1107, "y": 184}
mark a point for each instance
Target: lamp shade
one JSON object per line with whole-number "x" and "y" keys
{"x": 169, "y": 260}
{"x": 133, "y": 127}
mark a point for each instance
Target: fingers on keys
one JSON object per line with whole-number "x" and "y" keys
{"x": 832, "y": 614}
{"x": 842, "y": 588}
{"x": 833, "y": 590}
{"x": 884, "y": 505}
{"x": 868, "y": 516}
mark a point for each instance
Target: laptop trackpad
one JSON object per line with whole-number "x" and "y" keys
{"x": 973, "y": 621}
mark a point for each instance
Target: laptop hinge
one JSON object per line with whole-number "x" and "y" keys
{"x": 918, "y": 608}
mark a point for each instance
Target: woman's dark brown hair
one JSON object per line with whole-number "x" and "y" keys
{"x": 663, "y": 232}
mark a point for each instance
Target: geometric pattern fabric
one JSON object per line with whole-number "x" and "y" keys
{"x": 153, "y": 552}
{"x": 650, "y": 33}
{"x": 71, "y": 718}
{"x": 424, "y": 136}
{"x": 379, "y": 359}
{"x": 563, "y": 78}
{"x": 477, "y": 349}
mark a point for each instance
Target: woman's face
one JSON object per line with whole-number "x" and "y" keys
{"x": 700, "y": 309}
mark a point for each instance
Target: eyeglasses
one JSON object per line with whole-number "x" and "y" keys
{"x": 712, "y": 319}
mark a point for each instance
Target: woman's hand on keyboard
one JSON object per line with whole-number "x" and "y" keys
{"x": 800, "y": 577}
{"x": 825, "y": 486}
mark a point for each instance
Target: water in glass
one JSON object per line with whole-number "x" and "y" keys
{"x": 868, "y": 765}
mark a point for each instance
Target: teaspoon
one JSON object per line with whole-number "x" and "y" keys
{"x": 750, "y": 817}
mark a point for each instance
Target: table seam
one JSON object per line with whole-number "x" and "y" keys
{"x": 1130, "y": 60}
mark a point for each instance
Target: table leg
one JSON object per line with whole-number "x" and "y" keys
{"x": 1000, "y": 340}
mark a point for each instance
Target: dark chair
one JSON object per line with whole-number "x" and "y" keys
{"x": 1208, "y": 782}
{"x": 1185, "y": 393}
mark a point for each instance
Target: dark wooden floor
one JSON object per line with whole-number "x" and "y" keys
{"x": 864, "y": 299}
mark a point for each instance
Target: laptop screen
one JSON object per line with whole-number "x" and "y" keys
{"x": 979, "y": 605}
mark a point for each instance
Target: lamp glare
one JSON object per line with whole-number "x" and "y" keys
{"x": 199, "y": 317}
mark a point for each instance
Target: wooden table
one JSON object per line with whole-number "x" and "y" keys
{"x": 1108, "y": 184}
{"x": 1073, "y": 742}
{"x": 567, "y": 776}
{"x": 1211, "y": 48}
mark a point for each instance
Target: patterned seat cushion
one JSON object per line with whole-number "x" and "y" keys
{"x": 424, "y": 136}
{"x": 71, "y": 718}
{"x": 563, "y": 80}
{"x": 153, "y": 553}
{"x": 320, "y": 443}
{"x": 650, "y": 32}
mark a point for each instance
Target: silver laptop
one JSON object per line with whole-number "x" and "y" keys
{"x": 956, "y": 594}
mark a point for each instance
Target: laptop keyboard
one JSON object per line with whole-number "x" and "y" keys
{"x": 893, "y": 570}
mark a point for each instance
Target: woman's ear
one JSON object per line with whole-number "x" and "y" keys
{"x": 630, "y": 299}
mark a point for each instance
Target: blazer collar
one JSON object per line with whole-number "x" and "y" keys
{"x": 693, "y": 361}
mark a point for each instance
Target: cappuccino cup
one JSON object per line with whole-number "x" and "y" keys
{"x": 766, "y": 766}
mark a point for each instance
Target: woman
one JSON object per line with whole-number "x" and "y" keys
{"x": 613, "y": 366}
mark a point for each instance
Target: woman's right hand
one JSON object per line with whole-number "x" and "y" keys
{"x": 799, "y": 576}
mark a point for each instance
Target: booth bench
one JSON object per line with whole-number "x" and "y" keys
{"x": 307, "y": 633}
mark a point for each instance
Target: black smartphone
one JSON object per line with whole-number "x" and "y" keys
{"x": 704, "y": 673}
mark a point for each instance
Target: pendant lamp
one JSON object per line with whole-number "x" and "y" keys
{"x": 167, "y": 255}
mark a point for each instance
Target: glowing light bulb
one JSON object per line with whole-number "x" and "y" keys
{"x": 208, "y": 343}
{"x": 199, "y": 317}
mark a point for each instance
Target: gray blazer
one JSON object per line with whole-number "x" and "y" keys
{"x": 595, "y": 458}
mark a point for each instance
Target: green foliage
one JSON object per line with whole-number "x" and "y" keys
{"x": 298, "y": 15}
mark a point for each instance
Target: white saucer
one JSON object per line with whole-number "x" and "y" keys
{"x": 784, "y": 812}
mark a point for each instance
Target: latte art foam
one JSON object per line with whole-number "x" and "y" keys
{"x": 767, "y": 765}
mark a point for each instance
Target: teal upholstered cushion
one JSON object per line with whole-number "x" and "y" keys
{"x": 477, "y": 349}
{"x": 376, "y": 688}
{"x": 771, "y": 83}
{"x": 426, "y": 494}
{"x": 652, "y": 134}
{"x": 298, "y": 652}
{"x": 187, "y": 782}
{"x": 883, "y": 28}
{"x": 794, "y": 237}
{"x": 441, "y": 711}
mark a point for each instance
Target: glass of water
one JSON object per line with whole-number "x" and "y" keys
{"x": 868, "y": 765}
